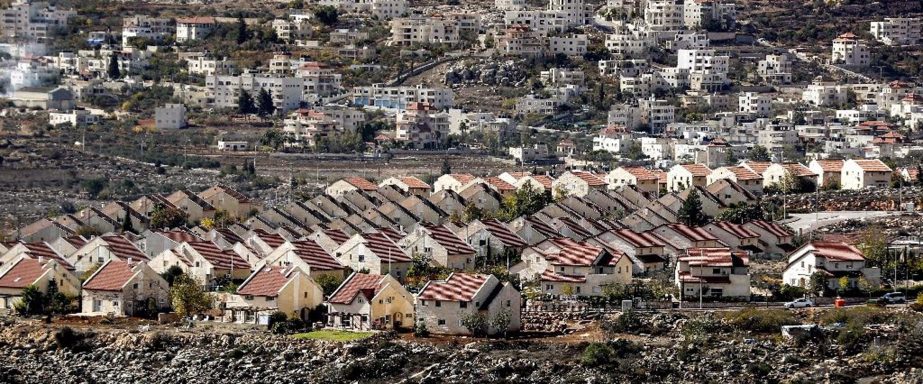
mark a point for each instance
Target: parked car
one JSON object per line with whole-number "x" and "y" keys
{"x": 803, "y": 302}
{"x": 893, "y": 298}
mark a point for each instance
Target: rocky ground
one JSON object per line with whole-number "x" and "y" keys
{"x": 672, "y": 348}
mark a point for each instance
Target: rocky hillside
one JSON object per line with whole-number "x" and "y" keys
{"x": 659, "y": 348}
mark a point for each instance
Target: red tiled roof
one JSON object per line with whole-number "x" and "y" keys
{"x": 640, "y": 173}
{"x": 336, "y": 235}
{"x": 123, "y": 249}
{"x": 578, "y": 229}
{"x": 354, "y": 284}
{"x": 111, "y": 277}
{"x": 798, "y": 170}
{"x": 218, "y": 257}
{"x": 715, "y": 257}
{"x": 265, "y": 282}
{"x": 383, "y": 247}
{"x": 229, "y": 235}
{"x": 756, "y": 166}
{"x": 240, "y": 197}
{"x": 773, "y": 228}
{"x": 315, "y": 256}
{"x": 23, "y": 274}
{"x": 697, "y": 170}
{"x": 737, "y": 230}
{"x": 573, "y": 253}
{"x": 591, "y": 179}
{"x": 391, "y": 233}
{"x": 661, "y": 176}
{"x": 457, "y": 287}
{"x": 837, "y": 251}
{"x": 835, "y": 166}
{"x": 76, "y": 241}
{"x": 42, "y": 250}
{"x": 463, "y": 178}
{"x": 873, "y": 165}
{"x": 640, "y": 240}
{"x": 742, "y": 173}
{"x": 179, "y": 235}
{"x": 449, "y": 240}
{"x": 414, "y": 183}
{"x": 273, "y": 240}
{"x": 541, "y": 227}
{"x": 500, "y": 185}
{"x": 501, "y": 231}
{"x": 361, "y": 183}
{"x": 550, "y": 276}
{"x": 544, "y": 180}
{"x": 692, "y": 233}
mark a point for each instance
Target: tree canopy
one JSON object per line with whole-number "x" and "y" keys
{"x": 690, "y": 213}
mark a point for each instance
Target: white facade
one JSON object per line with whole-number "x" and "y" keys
{"x": 194, "y": 28}
{"x": 170, "y": 116}
{"x": 380, "y": 96}
{"x": 897, "y": 30}
{"x": 224, "y": 90}
{"x": 755, "y": 104}
{"x": 571, "y": 45}
{"x": 775, "y": 69}
{"x": 850, "y": 51}
{"x": 150, "y": 28}
{"x": 27, "y": 19}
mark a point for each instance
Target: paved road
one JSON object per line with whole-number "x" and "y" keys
{"x": 806, "y": 222}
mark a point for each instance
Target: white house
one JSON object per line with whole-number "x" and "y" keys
{"x": 859, "y": 174}
{"x": 567, "y": 267}
{"x": 364, "y": 302}
{"x": 833, "y": 260}
{"x": 713, "y": 272}
{"x": 170, "y": 116}
{"x": 442, "y": 305}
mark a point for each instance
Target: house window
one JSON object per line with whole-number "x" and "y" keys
{"x": 423, "y": 303}
{"x": 361, "y": 258}
{"x": 134, "y": 286}
{"x": 508, "y": 303}
{"x": 716, "y": 271}
{"x": 463, "y": 304}
{"x": 440, "y": 321}
{"x": 305, "y": 295}
{"x": 438, "y": 303}
{"x": 548, "y": 287}
{"x": 248, "y": 297}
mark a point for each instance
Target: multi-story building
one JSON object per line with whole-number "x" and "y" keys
{"x": 775, "y": 69}
{"x": 570, "y": 45}
{"x": 194, "y": 28}
{"x": 627, "y": 43}
{"x": 202, "y": 64}
{"x": 713, "y": 272}
{"x": 560, "y": 77}
{"x": 448, "y": 29}
{"x": 700, "y": 13}
{"x": 223, "y": 91}
{"x": 755, "y": 104}
{"x": 320, "y": 81}
{"x": 530, "y": 104}
{"x": 381, "y": 96}
{"x": 34, "y": 20}
{"x": 825, "y": 94}
{"x": 657, "y": 113}
{"x": 421, "y": 126}
{"x": 307, "y": 125}
{"x": 576, "y": 12}
{"x": 170, "y": 116}
{"x": 898, "y": 30}
{"x": 520, "y": 40}
{"x": 834, "y": 260}
{"x": 510, "y": 5}
{"x": 849, "y": 50}
{"x": 382, "y": 9}
{"x": 154, "y": 29}
{"x": 664, "y": 15}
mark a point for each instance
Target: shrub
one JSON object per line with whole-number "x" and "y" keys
{"x": 627, "y": 322}
{"x": 597, "y": 354}
{"x": 701, "y": 326}
{"x": 420, "y": 329}
{"x": 860, "y": 316}
{"x": 67, "y": 338}
{"x": 761, "y": 321}
{"x": 476, "y": 323}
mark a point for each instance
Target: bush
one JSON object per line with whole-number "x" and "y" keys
{"x": 419, "y": 330}
{"x": 860, "y": 316}
{"x": 760, "y": 321}
{"x": 597, "y": 355}
{"x": 477, "y": 323}
{"x": 627, "y": 322}
{"x": 67, "y": 338}
{"x": 701, "y": 326}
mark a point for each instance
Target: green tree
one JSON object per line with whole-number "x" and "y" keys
{"x": 741, "y": 212}
{"x": 843, "y": 284}
{"x": 188, "y": 297}
{"x": 327, "y": 15}
{"x": 242, "y": 33}
{"x": 328, "y": 283}
{"x": 94, "y": 186}
{"x": 166, "y": 217}
{"x": 690, "y": 213}
{"x": 273, "y": 138}
{"x": 113, "y": 70}
{"x": 446, "y": 167}
{"x": 597, "y": 355}
{"x": 758, "y": 153}
{"x": 501, "y": 322}
{"x": 56, "y": 302}
{"x": 245, "y": 105}
{"x": 818, "y": 283}
{"x": 476, "y": 323}
{"x": 874, "y": 245}
{"x": 127, "y": 226}
{"x": 171, "y": 274}
{"x": 32, "y": 301}
{"x": 265, "y": 106}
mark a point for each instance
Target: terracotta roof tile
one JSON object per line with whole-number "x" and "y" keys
{"x": 501, "y": 231}
{"x": 414, "y": 183}
{"x": 361, "y": 183}
{"x": 640, "y": 173}
{"x": 873, "y": 165}
{"x": 23, "y": 274}
{"x": 715, "y": 257}
{"x": 355, "y": 284}
{"x": 697, "y": 170}
{"x": 111, "y": 277}
{"x": 123, "y": 249}
{"x": 453, "y": 244}
{"x": 831, "y": 165}
{"x": 457, "y": 287}
{"x": 315, "y": 256}
{"x": 265, "y": 282}
{"x": 639, "y": 239}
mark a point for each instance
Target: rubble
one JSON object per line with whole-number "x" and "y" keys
{"x": 486, "y": 72}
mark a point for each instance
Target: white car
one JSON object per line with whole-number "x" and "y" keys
{"x": 799, "y": 303}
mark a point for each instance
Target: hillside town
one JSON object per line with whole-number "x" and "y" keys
{"x": 428, "y": 191}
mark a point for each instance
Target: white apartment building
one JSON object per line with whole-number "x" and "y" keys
{"x": 194, "y": 28}
{"x": 170, "y": 116}
{"x": 291, "y": 30}
{"x": 754, "y": 104}
{"x": 529, "y": 104}
{"x": 540, "y": 21}
{"x": 613, "y": 139}
{"x": 571, "y": 45}
{"x": 530, "y": 154}
{"x": 421, "y": 126}
{"x": 775, "y": 69}
{"x": 775, "y": 137}
{"x": 76, "y": 118}
{"x": 150, "y": 28}
{"x": 627, "y": 44}
{"x": 382, "y": 9}
{"x": 209, "y": 66}
{"x": 698, "y": 13}
{"x": 623, "y": 67}
{"x": 689, "y": 40}
{"x": 657, "y": 113}
{"x": 576, "y": 12}
{"x": 824, "y": 94}
{"x": 306, "y": 126}
{"x": 407, "y": 31}
{"x": 34, "y": 20}
{"x": 898, "y": 30}
{"x": 521, "y": 41}
{"x": 664, "y": 15}
{"x": 625, "y": 115}
{"x": 223, "y": 91}
{"x": 556, "y": 77}
{"x": 510, "y": 5}
{"x": 320, "y": 81}
{"x": 849, "y": 50}
{"x": 702, "y": 60}
{"x": 380, "y": 96}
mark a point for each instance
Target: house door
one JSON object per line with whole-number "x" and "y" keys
{"x": 397, "y": 320}
{"x": 97, "y": 305}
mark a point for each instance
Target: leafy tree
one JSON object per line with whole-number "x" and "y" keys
{"x": 32, "y": 301}
{"x": 88, "y": 231}
{"x": 843, "y": 284}
{"x": 171, "y": 274}
{"x": 874, "y": 245}
{"x": 265, "y": 106}
{"x": 273, "y": 138}
{"x": 525, "y": 201}
{"x": 328, "y": 283}
{"x": 567, "y": 290}
{"x": 472, "y": 212}
{"x": 597, "y": 354}
{"x": 241, "y": 30}
{"x": 127, "y": 226}
{"x": 690, "y": 213}
{"x": 865, "y": 285}
{"x": 758, "y": 153}
{"x": 446, "y": 167}
{"x": 742, "y": 212}
{"x": 328, "y": 15}
{"x": 477, "y": 323}
{"x": 501, "y": 322}
{"x": 113, "y": 70}
{"x": 818, "y": 283}
{"x": 166, "y": 217}
{"x": 188, "y": 297}
{"x": 419, "y": 330}
{"x": 245, "y": 105}
{"x": 94, "y": 186}
{"x": 56, "y": 302}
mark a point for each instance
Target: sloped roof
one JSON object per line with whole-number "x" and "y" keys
{"x": 742, "y": 173}
{"x": 240, "y": 197}
{"x": 218, "y": 257}
{"x": 692, "y": 233}
{"x": 124, "y": 249}
{"x": 23, "y": 274}
{"x": 355, "y": 284}
{"x": 553, "y": 277}
{"x": 541, "y": 227}
{"x": 773, "y": 228}
{"x": 591, "y": 179}
{"x": 463, "y": 178}
{"x": 111, "y": 277}
{"x": 361, "y": 183}
{"x": 273, "y": 240}
{"x": 414, "y": 183}
{"x": 697, "y": 170}
{"x": 757, "y": 166}
{"x": 833, "y": 251}
{"x": 715, "y": 257}
{"x": 42, "y": 250}
{"x": 500, "y": 185}
{"x": 574, "y": 253}
{"x": 457, "y": 287}
{"x": 639, "y": 239}
{"x": 834, "y": 166}
{"x": 449, "y": 240}
{"x": 640, "y": 173}
{"x": 578, "y": 229}
{"x": 265, "y": 282}
{"x": 179, "y": 235}
{"x": 315, "y": 256}
{"x": 336, "y": 235}
{"x": 873, "y": 165}
{"x": 544, "y": 180}
{"x": 384, "y": 247}
{"x": 737, "y": 230}
{"x": 502, "y": 232}
{"x": 798, "y": 170}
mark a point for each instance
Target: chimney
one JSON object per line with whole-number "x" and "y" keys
{"x": 41, "y": 259}
{"x": 129, "y": 261}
